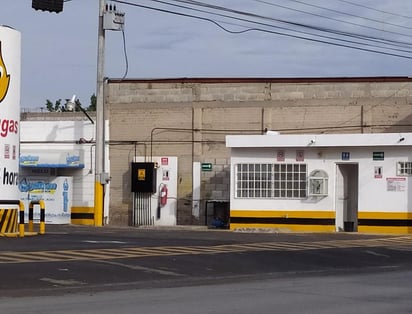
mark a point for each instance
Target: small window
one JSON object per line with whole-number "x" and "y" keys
{"x": 318, "y": 183}
{"x": 404, "y": 168}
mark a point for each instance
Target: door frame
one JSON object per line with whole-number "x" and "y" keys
{"x": 347, "y": 197}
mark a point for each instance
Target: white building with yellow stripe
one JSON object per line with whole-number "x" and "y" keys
{"x": 321, "y": 183}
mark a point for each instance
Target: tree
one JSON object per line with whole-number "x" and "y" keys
{"x": 53, "y": 107}
{"x": 93, "y": 100}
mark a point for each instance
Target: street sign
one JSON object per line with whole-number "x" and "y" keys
{"x": 345, "y": 155}
{"x": 378, "y": 155}
{"x": 206, "y": 166}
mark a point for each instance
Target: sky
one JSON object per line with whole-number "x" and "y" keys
{"x": 262, "y": 38}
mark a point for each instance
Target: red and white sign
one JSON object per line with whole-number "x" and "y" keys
{"x": 164, "y": 161}
{"x": 396, "y": 184}
{"x": 300, "y": 155}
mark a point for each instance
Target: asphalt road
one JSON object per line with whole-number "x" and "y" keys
{"x": 98, "y": 270}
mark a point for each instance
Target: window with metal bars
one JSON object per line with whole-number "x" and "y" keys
{"x": 271, "y": 181}
{"x": 404, "y": 168}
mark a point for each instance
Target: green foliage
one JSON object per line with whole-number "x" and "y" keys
{"x": 53, "y": 107}
{"x": 93, "y": 100}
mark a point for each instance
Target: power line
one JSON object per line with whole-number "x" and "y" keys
{"x": 350, "y": 14}
{"x": 126, "y": 59}
{"x": 312, "y": 27}
{"x": 265, "y": 30}
{"x": 374, "y": 9}
{"x": 332, "y": 19}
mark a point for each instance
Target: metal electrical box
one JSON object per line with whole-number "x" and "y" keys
{"x": 143, "y": 177}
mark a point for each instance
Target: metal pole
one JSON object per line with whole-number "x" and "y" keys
{"x": 100, "y": 123}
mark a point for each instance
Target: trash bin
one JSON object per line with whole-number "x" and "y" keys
{"x": 348, "y": 226}
{"x": 217, "y": 214}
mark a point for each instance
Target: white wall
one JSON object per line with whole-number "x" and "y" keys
{"x": 373, "y": 192}
{"x": 43, "y": 136}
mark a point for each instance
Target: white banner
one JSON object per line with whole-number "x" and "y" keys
{"x": 56, "y": 192}
{"x": 9, "y": 113}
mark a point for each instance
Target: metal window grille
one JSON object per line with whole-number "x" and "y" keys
{"x": 271, "y": 181}
{"x": 404, "y": 168}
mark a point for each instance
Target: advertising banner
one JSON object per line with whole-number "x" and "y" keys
{"x": 56, "y": 192}
{"x": 9, "y": 113}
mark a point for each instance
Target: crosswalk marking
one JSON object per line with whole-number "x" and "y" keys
{"x": 8, "y": 257}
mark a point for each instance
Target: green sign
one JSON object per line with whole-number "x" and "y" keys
{"x": 206, "y": 166}
{"x": 378, "y": 155}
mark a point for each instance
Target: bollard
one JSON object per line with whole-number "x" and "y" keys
{"x": 42, "y": 226}
{"x": 42, "y": 217}
{"x": 31, "y": 216}
{"x": 21, "y": 220}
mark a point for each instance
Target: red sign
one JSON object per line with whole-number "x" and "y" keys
{"x": 164, "y": 161}
{"x": 300, "y": 155}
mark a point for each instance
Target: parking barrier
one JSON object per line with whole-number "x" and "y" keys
{"x": 8, "y": 218}
{"x": 42, "y": 227}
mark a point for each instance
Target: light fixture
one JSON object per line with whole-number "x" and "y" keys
{"x": 71, "y": 106}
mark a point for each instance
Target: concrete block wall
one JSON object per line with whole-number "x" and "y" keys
{"x": 189, "y": 118}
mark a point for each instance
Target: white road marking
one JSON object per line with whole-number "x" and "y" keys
{"x": 104, "y": 242}
{"x": 66, "y": 282}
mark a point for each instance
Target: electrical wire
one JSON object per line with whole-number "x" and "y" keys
{"x": 265, "y": 30}
{"x": 349, "y": 14}
{"x": 332, "y": 19}
{"x": 312, "y": 27}
{"x": 125, "y": 56}
{"x": 316, "y": 28}
{"x": 374, "y": 9}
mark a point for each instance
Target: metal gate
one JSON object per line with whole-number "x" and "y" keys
{"x": 142, "y": 209}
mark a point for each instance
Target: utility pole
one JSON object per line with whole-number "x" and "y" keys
{"x": 100, "y": 123}
{"x": 109, "y": 19}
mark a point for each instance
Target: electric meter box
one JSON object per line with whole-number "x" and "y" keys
{"x": 143, "y": 177}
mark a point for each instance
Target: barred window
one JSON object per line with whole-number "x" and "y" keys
{"x": 404, "y": 168}
{"x": 271, "y": 180}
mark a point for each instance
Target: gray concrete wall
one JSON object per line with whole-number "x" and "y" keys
{"x": 189, "y": 118}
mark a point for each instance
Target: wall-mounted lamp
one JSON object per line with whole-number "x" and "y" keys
{"x": 401, "y": 139}
{"x": 71, "y": 106}
{"x": 312, "y": 141}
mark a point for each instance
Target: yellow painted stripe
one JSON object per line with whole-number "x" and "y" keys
{"x": 282, "y": 214}
{"x": 98, "y": 204}
{"x": 384, "y": 215}
{"x": 285, "y": 228}
{"x": 82, "y": 210}
{"x": 385, "y": 229}
{"x": 87, "y": 222}
{"x": 9, "y": 220}
{"x": 3, "y": 217}
{"x": 12, "y": 227}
